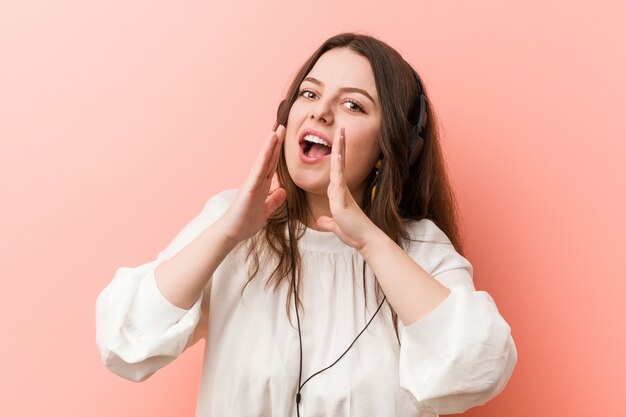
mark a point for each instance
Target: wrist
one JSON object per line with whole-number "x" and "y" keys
{"x": 224, "y": 238}
{"x": 374, "y": 240}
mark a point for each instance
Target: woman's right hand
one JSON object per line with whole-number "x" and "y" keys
{"x": 257, "y": 199}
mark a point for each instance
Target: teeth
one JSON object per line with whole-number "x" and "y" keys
{"x": 315, "y": 139}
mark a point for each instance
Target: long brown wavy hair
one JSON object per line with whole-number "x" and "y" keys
{"x": 403, "y": 192}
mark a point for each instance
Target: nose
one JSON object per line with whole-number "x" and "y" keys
{"x": 322, "y": 111}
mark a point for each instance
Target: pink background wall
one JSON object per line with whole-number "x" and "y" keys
{"x": 118, "y": 120}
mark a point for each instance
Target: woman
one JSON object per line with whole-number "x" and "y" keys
{"x": 332, "y": 282}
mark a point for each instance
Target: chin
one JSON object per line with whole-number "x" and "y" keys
{"x": 310, "y": 179}
{"x": 312, "y": 188}
{"x": 311, "y": 185}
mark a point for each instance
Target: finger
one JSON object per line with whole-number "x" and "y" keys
{"x": 281, "y": 131}
{"x": 325, "y": 223}
{"x": 277, "y": 151}
{"x": 275, "y": 200}
{"x": 275, "y": 184}
{"x": 258, "y": 170}
{"x": 343, "y": 150}
{"x": 336, "y": 193}
{"x": 270, "y": 168}
{"x": 267, "y": 150}
{"x": 337, "y": 174}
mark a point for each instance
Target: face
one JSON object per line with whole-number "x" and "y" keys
{"x": 339, "y": 91}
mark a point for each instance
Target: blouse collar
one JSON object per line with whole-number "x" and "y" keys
{"x": 315, "y": 240}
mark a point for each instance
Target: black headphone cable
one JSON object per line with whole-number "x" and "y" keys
{"x": 293, "y": 275}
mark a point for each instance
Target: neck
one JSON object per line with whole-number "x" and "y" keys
{"x": 320, "y": 206}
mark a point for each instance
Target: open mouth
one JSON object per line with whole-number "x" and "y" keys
{"x": 314, "y": 147}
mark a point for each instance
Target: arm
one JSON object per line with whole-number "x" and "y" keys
{"x": 461, "y": 354}
{"x": 149, "y": 314}
{"x": 411, "y": 291}
{"x": 457, "y": 351}
{"x": 138, "y": 330}
{"x": 182, "y": 277}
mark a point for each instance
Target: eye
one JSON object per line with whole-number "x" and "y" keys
{"x": 306, "y": 93}
{"x": 357, "y": 107}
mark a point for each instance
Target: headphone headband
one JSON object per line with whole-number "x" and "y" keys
{"x": 416, "y": 140}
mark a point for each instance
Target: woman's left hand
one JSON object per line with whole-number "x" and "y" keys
{"x": 348, "y": 221}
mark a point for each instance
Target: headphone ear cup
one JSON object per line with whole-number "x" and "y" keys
{"x": 416, "y": 142}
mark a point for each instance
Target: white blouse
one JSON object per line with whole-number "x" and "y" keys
{"x": 459, "y": 355}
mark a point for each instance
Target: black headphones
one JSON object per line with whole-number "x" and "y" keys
{"x": 416, "y": 131}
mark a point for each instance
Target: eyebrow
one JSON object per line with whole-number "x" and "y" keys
{"x": 348, "y": 89}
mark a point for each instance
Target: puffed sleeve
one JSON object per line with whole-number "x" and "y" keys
{"x": 138, "y": 331}
{"x": 461, "y": 354}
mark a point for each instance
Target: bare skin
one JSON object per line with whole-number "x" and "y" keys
{"x": 183, "y": 277}
{"x": 338, "y": 99}
{"x": 410, "y": 290}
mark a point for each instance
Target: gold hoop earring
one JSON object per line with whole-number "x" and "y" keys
{"x": 376, "y": 168}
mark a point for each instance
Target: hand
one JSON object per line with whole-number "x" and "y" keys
{"x": 348, "y": 221}
{"x": 260, "y": 194}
